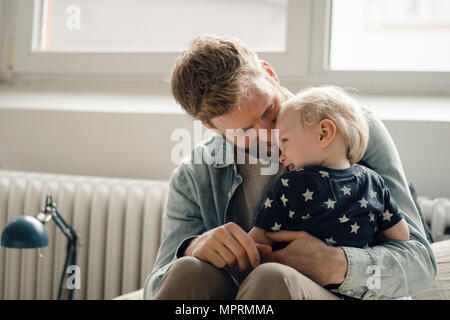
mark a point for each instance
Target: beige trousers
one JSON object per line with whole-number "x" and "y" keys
{"x": 189, "y": 278}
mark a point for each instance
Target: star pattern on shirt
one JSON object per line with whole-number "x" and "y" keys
{"x": 283, "y": 198}
{"x": 306, "y": 216}
{"x": 355, "y": 228}
{"x": 268, "y": 203}
{"x": 363, "y": 202}
{"x": 358, "y": 174}
{"x": 324, "y": 174}
{"x": 353, "y": 218}
{"x": 343, "y": 219}
{"x": 330, "y": 241}
{"x": 308, "y": 194}
{"x": 330, "y": 203}
{"x": 276, "y": 227}
{"x": 387, "y": 215}
{"x": 346, "y": 190}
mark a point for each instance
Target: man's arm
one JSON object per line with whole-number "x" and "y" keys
{"x": 405, "y": 267}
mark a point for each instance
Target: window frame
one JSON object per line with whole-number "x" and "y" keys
{"x": 292, "y": 62}
{"x": 366, "y": 80}
{"x": 305, "y": 61}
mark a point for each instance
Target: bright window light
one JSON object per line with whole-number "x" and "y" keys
{"x": 159, "y": 25}
{"x": 390, "y": 35}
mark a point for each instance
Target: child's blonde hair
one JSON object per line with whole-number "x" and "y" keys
{"x": 315, "y": 104}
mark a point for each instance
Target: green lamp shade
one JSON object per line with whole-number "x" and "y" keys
{"x": 25, "y": 232}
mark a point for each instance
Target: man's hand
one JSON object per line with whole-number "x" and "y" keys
{"x": 310, "y": 256}
{"x": 225, "y": 245}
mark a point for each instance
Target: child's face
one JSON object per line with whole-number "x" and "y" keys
{"x": 299, "y": 145}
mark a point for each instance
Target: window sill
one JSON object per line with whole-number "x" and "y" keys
{"x": 139, "y": 100}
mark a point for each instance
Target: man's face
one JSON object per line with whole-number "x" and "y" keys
{"x": 258, "y": 111}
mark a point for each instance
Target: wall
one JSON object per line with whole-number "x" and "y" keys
{"x": 138, "y": 145}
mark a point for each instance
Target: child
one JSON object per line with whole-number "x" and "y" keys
{"x": 322, "y": 135}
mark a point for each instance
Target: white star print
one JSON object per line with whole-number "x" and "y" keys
{"x": 324, "y": 174}
{"x": 387, "y": 215}
{"x": 358, "y": 174}
{"x": 284, "y": 182}
{"x": 330, "y": 203}
{"x": 355, "y": 228}
{"x": 373, "y": 194}
{"x": 343, "y": 219}
{"x": 306, "y": 217}
{"x": 346, "y": 190}
{"x": 276, "y": 227}
{"x": 291, "y": 214}
{"x": 363, "y": 202}
{"x": 268, "y": 203}
{"x": 283, "y": 198}
{"x": 372, "y": 216}
{"x": 308, "y": 195}
{"x": 330, "y": 241}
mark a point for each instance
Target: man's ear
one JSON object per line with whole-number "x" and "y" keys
{"x": 327, "y": 131}
{"x": 270, "y": 71}
{"x": 211, "y": 127}
{"x": 207, "y": 125}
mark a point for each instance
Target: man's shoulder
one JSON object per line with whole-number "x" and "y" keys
{"x": 206, "y": 156}
{"x": 209, "y": 152}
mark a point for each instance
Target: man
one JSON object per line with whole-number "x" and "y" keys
{"x": 221, "y": 82}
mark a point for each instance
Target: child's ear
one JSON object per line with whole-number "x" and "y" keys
{"x": 327, "y": 132}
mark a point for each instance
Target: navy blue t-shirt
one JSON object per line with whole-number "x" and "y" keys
{"x": 342, "y": 207}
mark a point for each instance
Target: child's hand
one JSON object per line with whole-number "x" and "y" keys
{"x": 259, "y": 236}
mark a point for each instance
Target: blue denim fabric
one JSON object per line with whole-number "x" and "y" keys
{"x": 199, "y": 200}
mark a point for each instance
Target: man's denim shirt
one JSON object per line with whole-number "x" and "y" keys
{"x": 201, "y": 198}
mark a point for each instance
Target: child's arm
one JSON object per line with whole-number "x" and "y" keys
{"x": 399, "y": 231}
{"x": 259, "y": 236}
{"x": 391, "y": 223}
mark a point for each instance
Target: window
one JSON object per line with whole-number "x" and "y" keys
{"x": 164, "y": 25}
{"x": 390, "y": 35}
{"x": 144, "y": 37}
{"x": 371, "y": 45}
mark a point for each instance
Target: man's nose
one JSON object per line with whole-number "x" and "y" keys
{"x": 282, "y": 158}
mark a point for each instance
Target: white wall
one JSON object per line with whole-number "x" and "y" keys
{"x": 139, "y": 145}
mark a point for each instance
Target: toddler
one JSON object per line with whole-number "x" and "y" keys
{"x": 322, "y": 136}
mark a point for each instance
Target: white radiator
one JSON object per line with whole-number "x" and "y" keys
{"x": 117, "y": 221}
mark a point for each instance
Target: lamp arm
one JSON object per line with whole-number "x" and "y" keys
{"x": 58, "y": 219}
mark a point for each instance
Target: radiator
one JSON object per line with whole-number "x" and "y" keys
{"x": 118, "y": 223}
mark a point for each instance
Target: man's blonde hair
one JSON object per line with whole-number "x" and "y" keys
{"x": 315, "y": 104}
{"x": 212, "y": 75}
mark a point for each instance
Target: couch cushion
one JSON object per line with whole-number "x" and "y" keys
{"x": 440, "y": 287}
